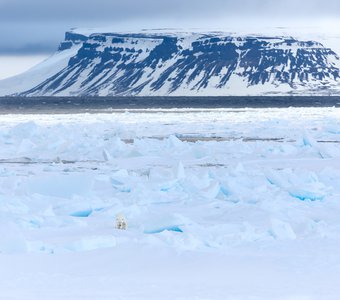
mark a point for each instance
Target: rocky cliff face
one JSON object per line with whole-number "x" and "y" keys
{"x": 191, "y": 64}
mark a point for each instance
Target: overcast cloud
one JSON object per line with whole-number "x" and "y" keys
{"x": 37, "y": 26}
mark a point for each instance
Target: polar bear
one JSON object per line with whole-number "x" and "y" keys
{"x": 121, "y": 222}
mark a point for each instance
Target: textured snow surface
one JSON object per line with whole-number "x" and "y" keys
{"x": 37, "y": 74}
{"x": 220, "y": 204}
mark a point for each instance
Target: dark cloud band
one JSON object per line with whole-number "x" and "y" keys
{"x": 38, "y": 25}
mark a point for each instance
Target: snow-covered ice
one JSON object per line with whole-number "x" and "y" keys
{"x": 220, "y": 204}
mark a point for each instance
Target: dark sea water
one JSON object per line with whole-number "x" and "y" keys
{"x": 19, "y": 105}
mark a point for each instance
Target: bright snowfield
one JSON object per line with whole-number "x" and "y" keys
{"x": 233, "y": 204}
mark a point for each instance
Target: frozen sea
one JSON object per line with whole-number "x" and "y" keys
{"x": 228, "y": 202}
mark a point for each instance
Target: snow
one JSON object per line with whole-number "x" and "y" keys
{"x": 220, "y": 204}
{"x": 327, "y": 34}
{"x": 38, "y": 73}
{"x": 237, "y": 85}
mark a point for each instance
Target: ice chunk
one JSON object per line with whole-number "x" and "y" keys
{"x": 306, "y": 195}
{"x": 308, "y": 140}
{"x": 118, "y": 146}
{"x": 180, "y": 172}
{"x": 157, "y": 223}
{"x": 211, "y": 191}
{"x": 25, "y": 147}
{"x": 281, "y": 230}
{"x": 174, "y": 141}
{"x": 106, "y": 155}
{"x": 82, "y": 213}
{"x": 161, "y": 174}
{"x": 275, "y": 179}
{"x": 174, "y": 228}
{"x": 122, "y": 173}
{"x": 64, "y": 186}
{"x": 26, "y": 129}
{"x": 119, "y": 184}
{"x": 305, "y": 187}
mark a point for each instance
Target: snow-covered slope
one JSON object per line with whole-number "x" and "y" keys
{"x": 175, "y": 64}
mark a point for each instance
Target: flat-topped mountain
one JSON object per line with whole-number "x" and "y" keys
{"x": 182, "y": 64}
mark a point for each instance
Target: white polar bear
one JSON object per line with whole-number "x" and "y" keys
{"x": 121, "y": 222}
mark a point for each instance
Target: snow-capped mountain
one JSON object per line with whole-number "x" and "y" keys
{"x": 176, "y": 64}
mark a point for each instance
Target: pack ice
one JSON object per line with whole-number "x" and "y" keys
{"x": 220, "y": 204}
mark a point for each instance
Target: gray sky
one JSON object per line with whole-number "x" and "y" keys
{"x": 37, "y": 26}
{"x": 30, "y": 30}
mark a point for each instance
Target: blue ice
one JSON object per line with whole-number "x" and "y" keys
{"x": 82, "y": 213}
{"x": 174, "y": 228}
